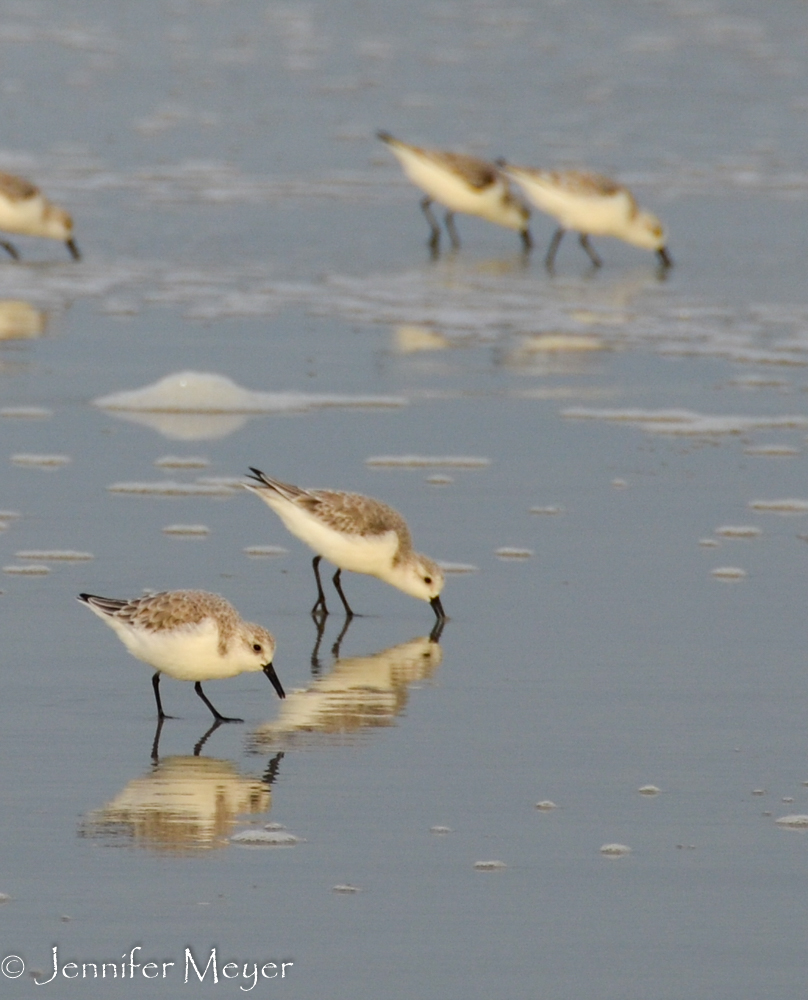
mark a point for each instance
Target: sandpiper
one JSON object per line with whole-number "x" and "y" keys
{"x": 592, "y": 205}
{"x": 460, "y": 183}
{"x": 190, "y": 635}
{"x": 355, "y": 533}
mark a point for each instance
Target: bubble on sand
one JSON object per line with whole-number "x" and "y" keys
{"x": 54, "y": 555}
{"x": 440, "y": 829}
{"x": 794, "y": 821}
{"x": 615, "y": 850}
{"x": 738, "y": 531}
{"x": 788, "y": 799}
{"x": 510, "y": 552}
{"x": 709, "y": 543}
{"x": 789, "y": 506}
{"x": 167, "y": 488}
{"x": 206, "y": 392}
{"x": 439, "y": 480}
{"x": 453, "y": 567}
{"x": 195, "y": 530}
{"x": 686, "y": 422}
{"x": 427, "y": 461}
{"x": 41, "y": 461}
{"x": 180, "y": 462}
{"x": 489, "y": 866}
{"x": 648, "y": 790}
{"x": 546, "y": 805}
{"x": 26, "y": 412}
{"x": 758, "y": 791}
{"x": 772, "y": 450}
{"x": 728, "y": 573}
{"x": 345, "y": 888}
{"x": 264, "y": 551}
{"x": 264, "y": 838}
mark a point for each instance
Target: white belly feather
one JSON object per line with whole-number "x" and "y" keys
{"x": 373, "y": 554}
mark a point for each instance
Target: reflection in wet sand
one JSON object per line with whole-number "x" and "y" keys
{"x": 359, "y": 693}
{"x": 182, "y": 804}
{"x": 19, "y": 320}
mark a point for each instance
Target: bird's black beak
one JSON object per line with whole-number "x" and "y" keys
{"x": 664, "y": 257}
{"x": 74, "y": 250}
{"x": 269, "y": 670}
{"x": 437, "y": 607}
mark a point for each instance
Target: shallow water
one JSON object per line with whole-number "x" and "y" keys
{"x": 238, "y": 218}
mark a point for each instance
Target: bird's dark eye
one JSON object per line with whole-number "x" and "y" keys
{"x": 427, "y": 580}
{"x": 257, "y": 647}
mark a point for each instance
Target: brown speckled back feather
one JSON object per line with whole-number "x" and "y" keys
{"x": 17, "y": 188}
{"x": 175, "y": 609}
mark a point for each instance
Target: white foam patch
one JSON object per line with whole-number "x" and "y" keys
{"x": 510, "y": 552}
{"x": 795, "y": 821}
{"x": 264, "y": 838}
{"x": 44, "y": 461}
{"x": 194, "y": 530}
{"x": 453, "y": 567}
{"x": 439, "y": 479}
{"x": 648, "y": 790}
{"x": 346, "y": 889}
{"x": 167, "y": 488}
{"x": 738, "y": 531}
{"x": 264, "y": 551}
{"x": 789, "y": 506}
{"x": 427, "y": 461}
{"x": 182, "y": 462}
{"x": 772, "y": 450}
{"x": 26, "y": 412}
{"x": 685, "y": 422}
{"x": 728, "y": 573}
{"x": 615, "y": 850}
{"x": 546, "y": 805}
{"x": 546, "y": 510}
{"x": 54, "y": 555}
{"x": 489, "y": 866}
{"x": 31, "y": 569}
{"x": 205, "y": 392}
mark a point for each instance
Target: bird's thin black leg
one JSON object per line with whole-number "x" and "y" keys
{"x": 316, "y": 666}
{"x": 340, "y": 637}
{"x": 155, "y": 749}
{"x": 320, "y": 603}
{"x": 338, "y": 585}
{"x": 216, "y": 714}
{"x": 527, "y": 239}
{"x": 156, "y": 685}
{"x": 74, "y": 250}
{"x": 12, "y": 250}
{"x": 583, "y": 239}
{"x": 434, "y": 239}
{"x": 204, "y": 739}
{"x": 452, "y": 230}
{"x": 665, "y": 258}
{"x": 552, "y": 250}
{"x": 437, "y": 630}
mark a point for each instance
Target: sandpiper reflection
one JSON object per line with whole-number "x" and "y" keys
{"x": 19, "y": 320}
{"x": 182, "y": 804}
{"x": 359, "y": 693}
